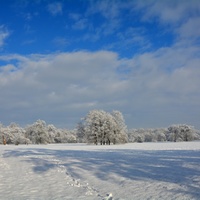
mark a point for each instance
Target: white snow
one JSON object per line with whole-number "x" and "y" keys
{"x": 136, "y": 171}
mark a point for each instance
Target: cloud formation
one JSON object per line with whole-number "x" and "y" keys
{"x": 64, "y": 85}
{"x": 108, "y": 56}
{"x": 55, "y": 8}
{"x": 4, "y": 33}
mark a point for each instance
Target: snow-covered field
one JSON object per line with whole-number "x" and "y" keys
{"x": 79, "y": 171}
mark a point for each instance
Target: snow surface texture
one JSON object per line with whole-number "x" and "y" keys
{"x": 79, "y": 171}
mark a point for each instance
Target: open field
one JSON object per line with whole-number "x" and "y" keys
{"x": 79, "y": 171}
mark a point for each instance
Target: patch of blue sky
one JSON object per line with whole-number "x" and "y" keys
{"x": 34, "y": 30}
{"x": 5, "y": 63}
{"x": 159, "y": 37}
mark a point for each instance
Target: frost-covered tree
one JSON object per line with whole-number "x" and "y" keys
{"x": 52, "y": 131}
{"x": 160, "y": 134}
{"x": 2, "y": 137}
{"x": 175, "y": 133}
{"x": 65, "y": 136}
{"x": 93, "y": 126}
{"x": 101, "y": 127}
{"x": 180, "y": 132}
{"x": 71, "y": 136}
{"x": 119, "y": 119}
{"x": 196, "y": 134}
{"x": 147, "y": 135}
{"x": 80, "y": 132}
{"x": 18, "y": 134}
{"x": 136, "y": 135}
{"x": 38, "y": 132}
{"x": 14, "y": 134}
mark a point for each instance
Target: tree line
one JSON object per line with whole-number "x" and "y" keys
{"x": 174, "y": 133}
{"x": 97, "y": 127}
{"x": 36, "y": 133}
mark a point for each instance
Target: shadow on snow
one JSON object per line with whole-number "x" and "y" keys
{"x": 173, "y": 166}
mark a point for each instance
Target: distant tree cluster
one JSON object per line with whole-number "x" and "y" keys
{"x": 174, "y": 133}
{"x": 36, "y": 133}
{"x": 100, "y": 127}
{"x": 13, "y": 134}
{"x": 97, "y": 127}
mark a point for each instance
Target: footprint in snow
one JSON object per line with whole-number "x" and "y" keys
{"x": 108, "y": 197}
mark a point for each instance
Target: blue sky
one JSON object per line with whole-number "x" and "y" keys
{"x": 48, "y": 26}
{"x": 61, "y": 59}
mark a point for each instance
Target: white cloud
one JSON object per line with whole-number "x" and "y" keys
{"x": 60, "y": 42}
{"x": 57, "y": 81}
{"x": 109, "y": 9}
{"x": 151, "y": 89}
{"x": 61, "y": 88}
{"x": 4, "y": 33}
{"x": 190, "y": 29}
{"x": 168, "y": 11}
{"x": 55, "y": 8}
{"x": 74, "y": 16}
{"x": 179, "y": 18}
{"x": 80, "y": 24}
{"x": 29, "y": 42}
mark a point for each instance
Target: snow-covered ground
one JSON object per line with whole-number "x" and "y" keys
{"x": 79, "y": 171}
